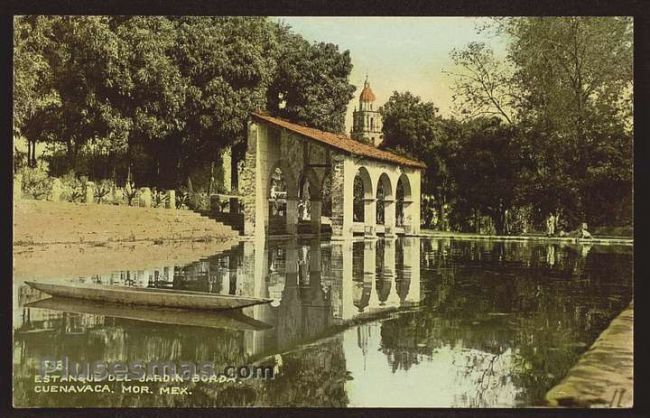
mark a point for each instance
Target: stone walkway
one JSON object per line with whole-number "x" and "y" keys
{"x": 522, "y": 238}
{"x": 604, "y": 375}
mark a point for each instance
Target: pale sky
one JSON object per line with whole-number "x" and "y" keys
{"x": 398, "y": 53}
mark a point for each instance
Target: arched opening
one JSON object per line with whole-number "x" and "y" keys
{"x": 304, "y": 199}
{"x": 403, "y": 198}
{"x": 277, "y": 201}
{"x": 362, "y": 194}
{"x": 309, "y": 203}
{"x": 384, "y": 194}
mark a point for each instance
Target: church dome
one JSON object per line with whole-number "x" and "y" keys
{"x": 366, "y": 94}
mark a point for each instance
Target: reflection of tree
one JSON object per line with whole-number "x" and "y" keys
{"x": 505, "y": 297}
{"x": 313, "y": 377}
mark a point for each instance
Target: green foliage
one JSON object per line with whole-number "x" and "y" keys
{"x": 311, "y": 83}
{"x": 102, "y": 189}
{"x": 35, "y": 181}
{"x": 164, "y": 95}
{"x": 566, "y": 86}
{"x": 73, "y": 187}
{"x": 159, "y": 199}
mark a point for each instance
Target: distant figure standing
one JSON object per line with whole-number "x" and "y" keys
{"x": 583, "y": 232}
{"x": 550, "y": 225}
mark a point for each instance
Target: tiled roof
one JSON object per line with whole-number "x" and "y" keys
{"x": 341, "y": 142}
{"x": 366, "y": 94}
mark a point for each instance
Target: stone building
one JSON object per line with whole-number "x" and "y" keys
{"x": 366, "y": 120}
{"x": 290, "y": 167}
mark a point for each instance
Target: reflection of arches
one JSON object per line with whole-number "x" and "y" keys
{"x": 362, "y": 191}
{"x": 383, "y": 286}
{"x": 384, "y": 192}
{"x": 361, "y": 295}
{"x": 403, "y": 200}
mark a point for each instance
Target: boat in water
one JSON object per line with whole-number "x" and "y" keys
{"x": 169, "y": 298}
{"x": 231, "y": 319}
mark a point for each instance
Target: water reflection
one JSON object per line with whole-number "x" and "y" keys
{"x": 413, "y": 322}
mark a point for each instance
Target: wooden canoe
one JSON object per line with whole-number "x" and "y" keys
{"x": 233, "y": 319}
{"x": 169, "y": 298}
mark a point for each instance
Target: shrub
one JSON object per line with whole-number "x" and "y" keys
{"x": 72, "y": 187}
{"x": 130, "y": 191}
{"x": 36, "y": 181}
{"x": 103, "y": 188}
{"x": 158, "y": 198}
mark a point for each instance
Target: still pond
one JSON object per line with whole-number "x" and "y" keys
{"x": 407, "y": 322}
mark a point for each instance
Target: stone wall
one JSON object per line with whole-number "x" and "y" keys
{"x": 338, "y": 194}
{"x": 247, "y": 180}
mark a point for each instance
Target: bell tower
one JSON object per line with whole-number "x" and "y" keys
{"x": 366, "y": 120}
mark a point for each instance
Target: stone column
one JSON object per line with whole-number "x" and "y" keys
{"x": 408, "y": 217}
{"x": 145, "y": 197}
{"x": 389, "y": 218}
{"x": 89, "y": 192}
{"x": 170, "y": 202}
{"x": 337, "y": 190}
{"x": 18, "y": 187}
{"x": 292, "y": 215}
{"x": 56, "y": 188}
{"x": 316, "y": 211}
{"x": 226, "y": 166}
{"x": 369, "y": 217}
{"x": 251, "y": 182}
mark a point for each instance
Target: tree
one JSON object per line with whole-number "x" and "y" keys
{"x": 484, "y": 84}
{"x": 486, "y": 165}
{"x": 576, "y": 74}
{"x": 566, "y": 84}
{"x": 164, "y": 95}
{"x": 149, "y": 92}
{"x": 32, "y": 78}
{"x": 311, "y": 85}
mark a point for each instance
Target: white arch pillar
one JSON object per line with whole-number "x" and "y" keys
{"x": 369, "y": 217}
{"x": 389, "y": 217}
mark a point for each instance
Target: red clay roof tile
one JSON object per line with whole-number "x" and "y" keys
{"x": 341, "y": 142}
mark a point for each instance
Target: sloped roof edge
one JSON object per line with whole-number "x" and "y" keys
{"x": 340, "y": 142}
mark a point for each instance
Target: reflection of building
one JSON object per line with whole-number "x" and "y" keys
{"x": 311, "y": 285}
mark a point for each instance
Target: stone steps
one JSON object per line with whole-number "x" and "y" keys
{"x": 63, "y": 222}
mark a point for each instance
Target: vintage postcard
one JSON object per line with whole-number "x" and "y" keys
{"x": 235, "y": 211}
